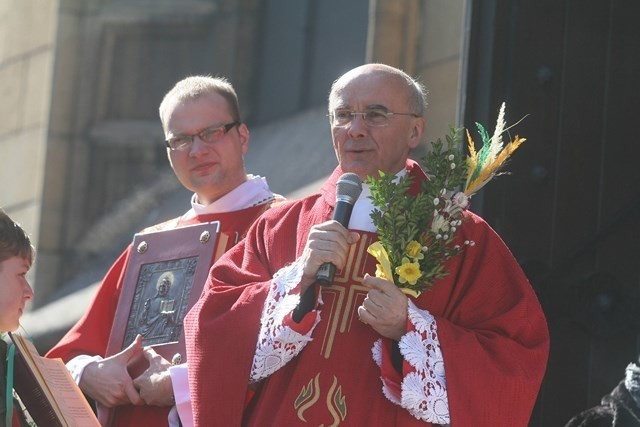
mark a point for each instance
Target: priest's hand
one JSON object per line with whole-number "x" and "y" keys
{"x": 154, "y": 384}
{"x": 108, "y": 382}
{"x": 384, "y": 308}
{"x": 327, "y": 242}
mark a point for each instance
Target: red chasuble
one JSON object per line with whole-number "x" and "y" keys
{"x": 91, "y": 334}
{"x": 491, "y": 329}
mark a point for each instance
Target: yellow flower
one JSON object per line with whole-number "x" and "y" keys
{"x": 384, "y": 267}
{"x": 409, "y": 272}
{"x": 380, "y": 272}
{"x": 414, "y": 250}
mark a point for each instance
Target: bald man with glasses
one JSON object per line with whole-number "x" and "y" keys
{"x": 206, "y": 142}
{"x": 469, "y": 352}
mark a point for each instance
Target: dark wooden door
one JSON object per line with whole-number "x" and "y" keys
{"x": 570, "y": 211}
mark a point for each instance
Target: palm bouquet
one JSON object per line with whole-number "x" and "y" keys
{"x": 417, "y": 232}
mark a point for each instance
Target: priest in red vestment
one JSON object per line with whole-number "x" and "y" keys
{"x": 206, "y": 143}
{"x": 471, "y": 351}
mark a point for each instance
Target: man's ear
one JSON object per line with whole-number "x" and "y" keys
{"x": 417, "y": 131}
{"x": 243, "y": 130}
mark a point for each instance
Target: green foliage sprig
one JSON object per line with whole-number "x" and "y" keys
{"x": 417, "y": 232}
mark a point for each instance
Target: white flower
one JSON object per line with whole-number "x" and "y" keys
{"x": 436, "y": 201}
{"x": 460, "y": 199}
{"x": 452, "y": 209}
{"x": 451, "y": 157}
{"x": 439, "y": 224}
{"x": 453, "y": 165}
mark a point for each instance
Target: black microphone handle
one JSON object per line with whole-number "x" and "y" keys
{"x": 306, "y": 304}
{"x": 342, "y": 214}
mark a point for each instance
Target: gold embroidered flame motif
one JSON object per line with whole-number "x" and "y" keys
{"x": 308, "y": 396}
{"x": 335, "y": 401}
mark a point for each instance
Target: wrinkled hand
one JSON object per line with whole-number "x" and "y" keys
{"x": 108, "y": 382}
{"x": 154, "y": 384}
{"x": 327, "y": 242}
{"x": 384, "y": 308}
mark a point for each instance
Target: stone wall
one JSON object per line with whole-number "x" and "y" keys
{"x": 27, "y": 55}
{"x": 425, "y": 38}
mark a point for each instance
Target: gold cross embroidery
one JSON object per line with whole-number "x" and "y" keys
{"x": 343, "y": 307}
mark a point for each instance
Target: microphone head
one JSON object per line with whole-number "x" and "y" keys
{"x": 348, "y": 188}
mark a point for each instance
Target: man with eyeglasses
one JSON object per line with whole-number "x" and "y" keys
{"x": 206, "y": 142}
{"x": 469, "y": 352}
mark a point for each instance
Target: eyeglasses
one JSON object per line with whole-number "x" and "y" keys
{"x": 208, "y": 135}
{"x": 374, "y": 117}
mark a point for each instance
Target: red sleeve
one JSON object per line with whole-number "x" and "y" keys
{"x": 234, "y": 294}
{"x": 493, "y": 335}
{"x": 90, "y": 335}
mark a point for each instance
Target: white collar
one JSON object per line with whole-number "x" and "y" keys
{"x": 254, "y": 191}
{"x": 362, "y": 208}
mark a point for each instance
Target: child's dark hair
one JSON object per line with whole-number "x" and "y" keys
{"x": 14, "y": 241}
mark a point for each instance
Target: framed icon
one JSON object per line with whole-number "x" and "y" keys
{"x": 163, "y": 279}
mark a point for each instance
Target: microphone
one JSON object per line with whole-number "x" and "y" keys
{"x": 348, "y": 189}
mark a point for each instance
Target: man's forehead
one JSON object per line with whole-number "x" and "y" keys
{"x": 204, "y": 111}
{"x": 371, "y": 91}
{"x": 209, "y": 99}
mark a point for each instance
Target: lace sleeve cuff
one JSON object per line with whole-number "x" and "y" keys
{"x": 423, "y": 390}
{"x": 278, "y": 342}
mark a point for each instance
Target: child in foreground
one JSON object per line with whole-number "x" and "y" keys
{"x": 16, "y": 257}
